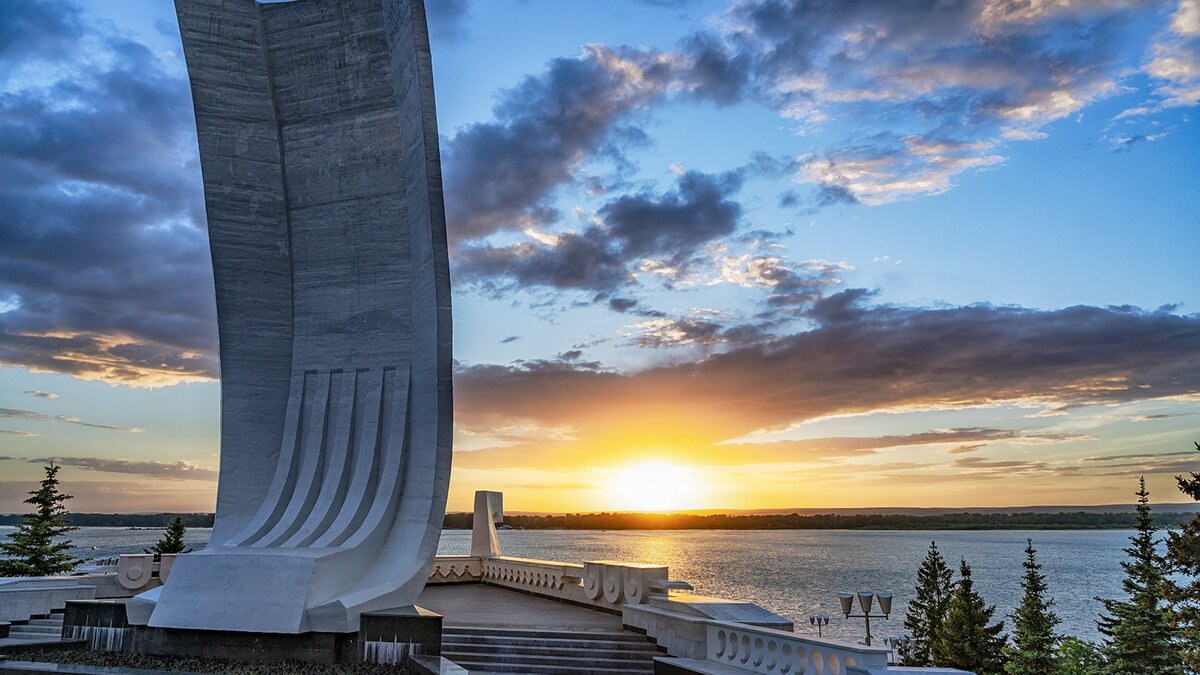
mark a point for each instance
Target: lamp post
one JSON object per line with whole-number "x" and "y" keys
{"x": 864, "y": 602}
{"x": 818, "y": 621}
{"x": 899, "y": 647}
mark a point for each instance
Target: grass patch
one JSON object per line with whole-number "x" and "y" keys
{"x": 194, "y": 664}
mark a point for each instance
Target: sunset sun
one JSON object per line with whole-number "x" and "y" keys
{"x": 655, "y": 486}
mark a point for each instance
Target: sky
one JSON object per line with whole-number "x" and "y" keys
{"x": 705, "y": 254}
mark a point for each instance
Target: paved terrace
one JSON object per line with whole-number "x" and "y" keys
{"x": 482, "y": 605}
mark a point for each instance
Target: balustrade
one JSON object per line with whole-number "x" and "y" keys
{"x": 773, "y": 652}
{"x": 451, "y": 569}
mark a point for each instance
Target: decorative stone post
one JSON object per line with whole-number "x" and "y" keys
{"x": 489, "y": 510}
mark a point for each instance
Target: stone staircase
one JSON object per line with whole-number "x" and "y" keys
{"x": 492, "y": 649}
{"x": 48, "y": 629}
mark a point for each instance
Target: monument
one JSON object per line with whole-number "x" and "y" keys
{"x": 322, "y": 181}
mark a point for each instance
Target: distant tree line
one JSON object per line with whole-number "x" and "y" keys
{"x": 793, "y": 521}
{"x": 661, "y": 521}
{"x": 123, "y": 519}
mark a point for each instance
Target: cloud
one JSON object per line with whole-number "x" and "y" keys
{"x": 41, "y": 394}
{"x": 676, "y": 332}
{"x": 173, "y": 471}
{"x": 119, "y": 496}
{"x": 502, "y": 173}
{"x": 11, "y": 413}
{"x": 36, "y": 30}
{"x": 675, "y": 224}
{"x": 884, "y": 172}
{"x": 1174, "y": 60}
{"x": 104, "y": 265}
{"x": 669, "y": 229}
{"x": 789, "y": 283}
{"x": 10, "y": 432}
{"x": 1160, "y": 416}
{"x": 934, "y": 89}
{"x": 701, "y": 328}
{"x": 1139, "y": 456}
{"x": 852, "y": 446}
{"x": 557, "y": 455}
{"x": 857, "y": 358}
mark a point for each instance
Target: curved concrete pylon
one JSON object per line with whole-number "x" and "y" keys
{"x": 322, "y": 181}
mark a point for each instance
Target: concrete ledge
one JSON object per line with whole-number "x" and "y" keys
{"x": 436, "y": 665}
{"x": 31, "y": 646}
{"x": 903, "y": 670}
{"x": 23, "y": 667}
{"x": 667, "y": 665}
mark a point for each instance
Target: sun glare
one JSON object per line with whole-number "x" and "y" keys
{"x": 655, "y": 486}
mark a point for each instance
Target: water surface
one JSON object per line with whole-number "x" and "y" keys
{"x": 796, "y": 573}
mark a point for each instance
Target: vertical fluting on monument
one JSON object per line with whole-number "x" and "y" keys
{"x": 322, "y": 182}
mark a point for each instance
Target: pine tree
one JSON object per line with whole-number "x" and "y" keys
{"x": 172, "y": 539}
{"x": 1138, "y": 634}
{"x": 1035, "y": 648}
{"x": 927, "y": 610}
{"x": 1183, "y": 558}
{"x": 967, "y": 641}
{"x": 31, "y": 549}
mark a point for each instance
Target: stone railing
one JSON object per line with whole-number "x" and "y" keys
{"x": 454, "y": 569}
{"x": 773, "y": 652}
{"x": 543, "y": 577}
{"x": 616, "y": 583}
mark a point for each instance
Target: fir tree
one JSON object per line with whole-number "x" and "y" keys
{"x": 967, "y": 641}
{"x": 1034, "y": 651}
{"x": 1183, "y": 558}
{"x": 1138, "y": 634}
{"x": 31, "y": 549}
{"x": 927, "y": 610}
{"x": 172, "y": 539}
{"x": 1079, "y": 657}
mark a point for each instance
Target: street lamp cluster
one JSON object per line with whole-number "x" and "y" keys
{"x": 865, "y": 600}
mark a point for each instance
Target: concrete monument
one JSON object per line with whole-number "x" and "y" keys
{"x": 322, "y": 181}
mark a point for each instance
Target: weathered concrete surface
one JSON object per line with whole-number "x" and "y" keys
{"x": 318, "y": 144}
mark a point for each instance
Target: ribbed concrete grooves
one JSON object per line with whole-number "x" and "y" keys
{"x": 491, "y": 649}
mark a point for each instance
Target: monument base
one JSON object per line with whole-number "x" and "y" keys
{"x": 389, "y": 636}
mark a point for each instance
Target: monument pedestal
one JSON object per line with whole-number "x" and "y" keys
{"x": 388, "y": 636}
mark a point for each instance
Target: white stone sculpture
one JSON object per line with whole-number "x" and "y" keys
{"x": 489, "y": 511}
{"x": 319, "y": 149}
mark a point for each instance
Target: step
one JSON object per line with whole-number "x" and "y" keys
{"x": 547, "y": 643}
{"x": 621, "y": 655}
{"x": 620, "y": 635}
{"x": 700, "y": 666}
{"x": 549, "y": 651}
{"x": 14, "y": 631}
{"x": 58, "y": 622}
{"x": 479, "y": 667}
{"x": 576, "y": 659}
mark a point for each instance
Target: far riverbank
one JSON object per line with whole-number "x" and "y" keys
{"x": 1079, "y": 520}
{"x": 949, "y": 521}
